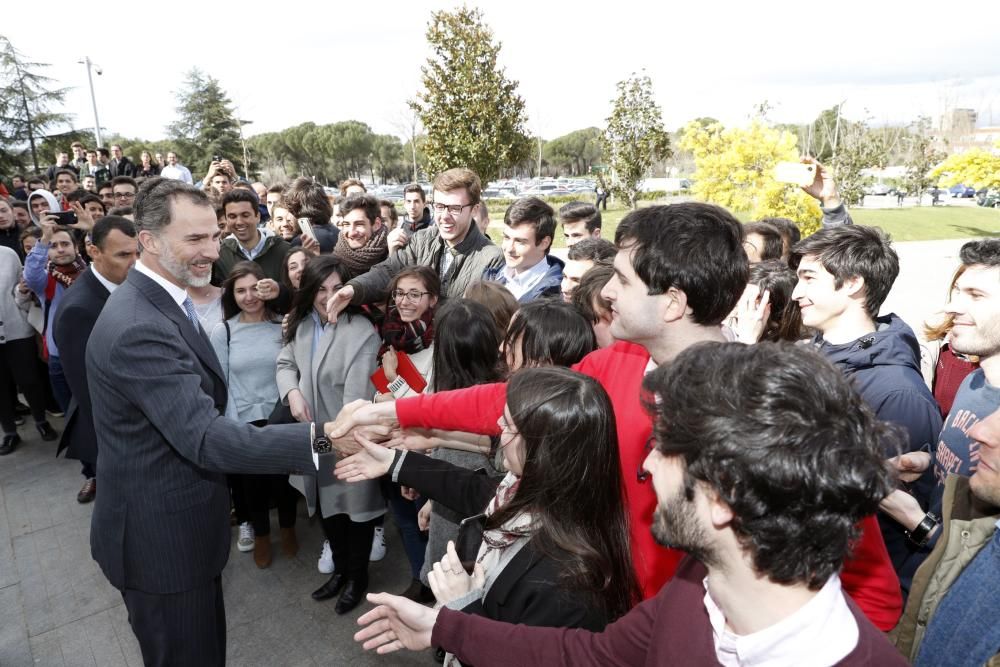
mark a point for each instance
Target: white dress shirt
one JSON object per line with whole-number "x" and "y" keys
{"x": 108, "y": 285}
{"x": 521, "y": 283}
{"x": 821, "y": 633}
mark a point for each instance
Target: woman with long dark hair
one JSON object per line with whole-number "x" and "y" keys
{"x": 247, "y": 343}
{"x": 767, "y": 311}
{"x": 547, "y": 332}
{"x": 555, "y": 549}
{"x": 323, "y": 366}
{"x": 408, "y": 326}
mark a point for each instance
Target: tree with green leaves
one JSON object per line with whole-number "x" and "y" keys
{"x": 470, "y": 110}
{"x": 858, "y": 149}
{"x": 207, "y": 125}
{"x": 921, "y": 159}
{"x": 573, "y": 153}
{"x": 26, "y": 100}
{"x": 634, "y": 138}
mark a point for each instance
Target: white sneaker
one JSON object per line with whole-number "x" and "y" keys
{"x": 245, "y": 543}
{"x": 378, "y": 545}
{"x": 325, "y": 563}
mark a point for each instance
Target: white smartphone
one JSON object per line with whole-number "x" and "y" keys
{"x": 307, "y": 228}
{"x": 796, "y": 173}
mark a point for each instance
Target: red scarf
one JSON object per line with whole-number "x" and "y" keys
{"x": 61, "y": 274}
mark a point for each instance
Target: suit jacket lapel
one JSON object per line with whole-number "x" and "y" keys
{"x": 193, "y": 336}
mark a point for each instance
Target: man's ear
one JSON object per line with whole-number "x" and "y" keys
{"x": 676, "y": 307}
{"x": 148, "y": 241}
{"x": 855, "y": 286}
{"x": 546, "y": 243}
{"x": 720, "y": 513}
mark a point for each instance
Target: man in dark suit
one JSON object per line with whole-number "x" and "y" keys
{"x": 120, "y": 165}
{"x": 113, "y": 250}
{"x": 160, "y": 530}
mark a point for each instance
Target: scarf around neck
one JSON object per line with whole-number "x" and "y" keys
{"x": 359, "y": 260}
{"x": 65, "y": 274}
{"x": 409, "y": 337}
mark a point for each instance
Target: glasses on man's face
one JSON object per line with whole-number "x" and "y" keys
{"x": 413, "y": 296}
{"x": 124, "y": 195}
{"x": 454, "y": 209}
{"x": 642, "y": 474}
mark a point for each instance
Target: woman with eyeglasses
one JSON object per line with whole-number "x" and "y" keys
{"x": 555, "y": 548}
{"x": 409, "y": 327}
{"x": 323, "y": 366}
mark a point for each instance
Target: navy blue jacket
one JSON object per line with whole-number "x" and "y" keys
{"x": 549, "y": 285}
{"x": 885, "y": 369}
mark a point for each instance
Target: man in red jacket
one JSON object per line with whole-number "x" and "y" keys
{"x": 765, "y": 508}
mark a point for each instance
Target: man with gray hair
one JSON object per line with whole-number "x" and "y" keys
{"x": 160, "y": 529}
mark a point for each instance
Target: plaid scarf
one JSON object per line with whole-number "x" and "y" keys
{"x": 409, "y": 337}
{"x": 64, "y": 274}
{"x": 496, "y": 540}
{"x": 359, "y": 260}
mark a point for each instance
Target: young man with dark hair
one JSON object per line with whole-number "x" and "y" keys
{"x": 362, "y": 240}
{"x": 93, "y": 205}
{"x": 19, "y": 187}
{"x": 36, "y": 183}
{"x": 94, "y": 166}
{"x": 845, "y": 273}
{"x": 247, "y": 241}
{"x": 106, "y": 193}
{"x": 418, "y": 216}
{"x": 79, "y": 156}
{"x": 531, "y": 272}
{"x": 22, "y": 216}
{"x": 454, "y": 247}
{"x": 352, "y": 186}
{"x": 760, "y": 583}
{"x": 581, "y": 258}
{"x": 390, "y": 217}
{"x": 175, "y": 170}
{"x": 62, "y": 162}
{"x": 120, "y": 165}
{"x": 595, "y": 308}
{"x": 66, "y": 182}
{"x": 790, "y": 234}
{"x": 273, "y": 196}
{"x": 306, "y": 199}
{"x": 763, "y": 242}
{"x": 678, "y": 272}
{"x": 113, "y": 250}
{"x": 579, "y": 220}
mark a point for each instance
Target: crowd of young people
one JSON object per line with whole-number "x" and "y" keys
{"x": 701, "y": 443}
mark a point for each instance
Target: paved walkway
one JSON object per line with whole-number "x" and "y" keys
{"x": 56, "y": 607}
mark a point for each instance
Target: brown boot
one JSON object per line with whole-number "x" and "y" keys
{"x": 262, "y": 551}
{"x": 289, "y": 543}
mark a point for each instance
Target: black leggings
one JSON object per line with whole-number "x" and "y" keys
{"x": 259, "y": 491}
{"x": 19, "y": 364}
{"x": 350, "y": 542}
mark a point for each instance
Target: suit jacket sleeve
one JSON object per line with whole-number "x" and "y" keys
{"x": 71, "y": 331}
{"x": 466, "y": 492}
{"x": 163, "y": 382}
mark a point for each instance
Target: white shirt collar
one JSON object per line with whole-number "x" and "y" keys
{"x": 520, "y": 284}
{"x": 108, "y": 285}
{"x": 178, "y": 294}
{"x": 822, "y": 632}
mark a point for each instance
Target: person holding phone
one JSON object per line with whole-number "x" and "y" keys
{"x": 49, "y": 269}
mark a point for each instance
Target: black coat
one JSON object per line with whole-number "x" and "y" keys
{"x": 78, "y": 311}
{"x": 123, "y": 167}
{"x": 528, "y": 589}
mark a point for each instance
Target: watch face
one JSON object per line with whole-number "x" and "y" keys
{"x": 322, "y": 445}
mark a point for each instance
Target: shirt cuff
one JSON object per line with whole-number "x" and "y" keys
{"x": 397, "y": 464}
{"x": 312, "y": 450}
{"x": 460, "y": 603}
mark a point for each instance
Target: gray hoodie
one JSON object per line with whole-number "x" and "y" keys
{"x": 49, "y": 197}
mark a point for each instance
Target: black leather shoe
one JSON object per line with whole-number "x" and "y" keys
{"x": 418, "y": 592}
{"x": 330, "y": 588}
{"x": 10, "y": 443}
{"x": 46, "y": 431}
{"x": 354, "y": 593}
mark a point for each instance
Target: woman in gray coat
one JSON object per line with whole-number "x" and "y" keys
{"x": 323, "y": 366}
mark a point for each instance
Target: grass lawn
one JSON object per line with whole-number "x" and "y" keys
{"x": 915, "y": 223}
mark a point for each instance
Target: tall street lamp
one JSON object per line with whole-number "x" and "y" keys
{"x": 93, "y": 100}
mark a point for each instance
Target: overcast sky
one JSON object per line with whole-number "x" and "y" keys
{"x": 890, "y": 60}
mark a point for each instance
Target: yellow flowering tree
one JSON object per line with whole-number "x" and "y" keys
{"x": 976, "y": 168}
{"x": 734, "y": 168}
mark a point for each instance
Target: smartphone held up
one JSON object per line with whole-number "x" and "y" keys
{"x": 796, "y": 173}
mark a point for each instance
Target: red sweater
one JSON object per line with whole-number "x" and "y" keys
{"x": 671, "y": 629}
{"x": 868, "y": 576}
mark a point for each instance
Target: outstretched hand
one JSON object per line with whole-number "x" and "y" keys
{"x": 340, "y": 300}
{"x": 371, "y": 462}
{"x": 450, "y": 581}
{"x": 396, "y": 623}
{"x": 361, "y": 413}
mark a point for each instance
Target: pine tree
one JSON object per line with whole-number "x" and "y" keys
{"x": 207, "y": 125}
{"x": 470, "y": 110}
{"x": 25, "y": 102}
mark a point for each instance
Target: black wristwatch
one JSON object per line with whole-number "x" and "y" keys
{"x": 922, "y": 532}
{"x": 321, "y": 443}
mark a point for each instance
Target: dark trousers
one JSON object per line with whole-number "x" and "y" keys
{"x": 237, "y": 489}
{"x": 187, "y": 628}
{"x": 260, "y": 491}
{"x": 404, "y": 512}
{"x": 60, "y": 388}
{"x": 18, "y": 366}
{"x": 351, "y": 544}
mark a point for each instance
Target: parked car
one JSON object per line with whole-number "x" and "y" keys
{"x": 989, "y": 198}
{"x": 963, "y": 191}
{"x": 877, "y": 189}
